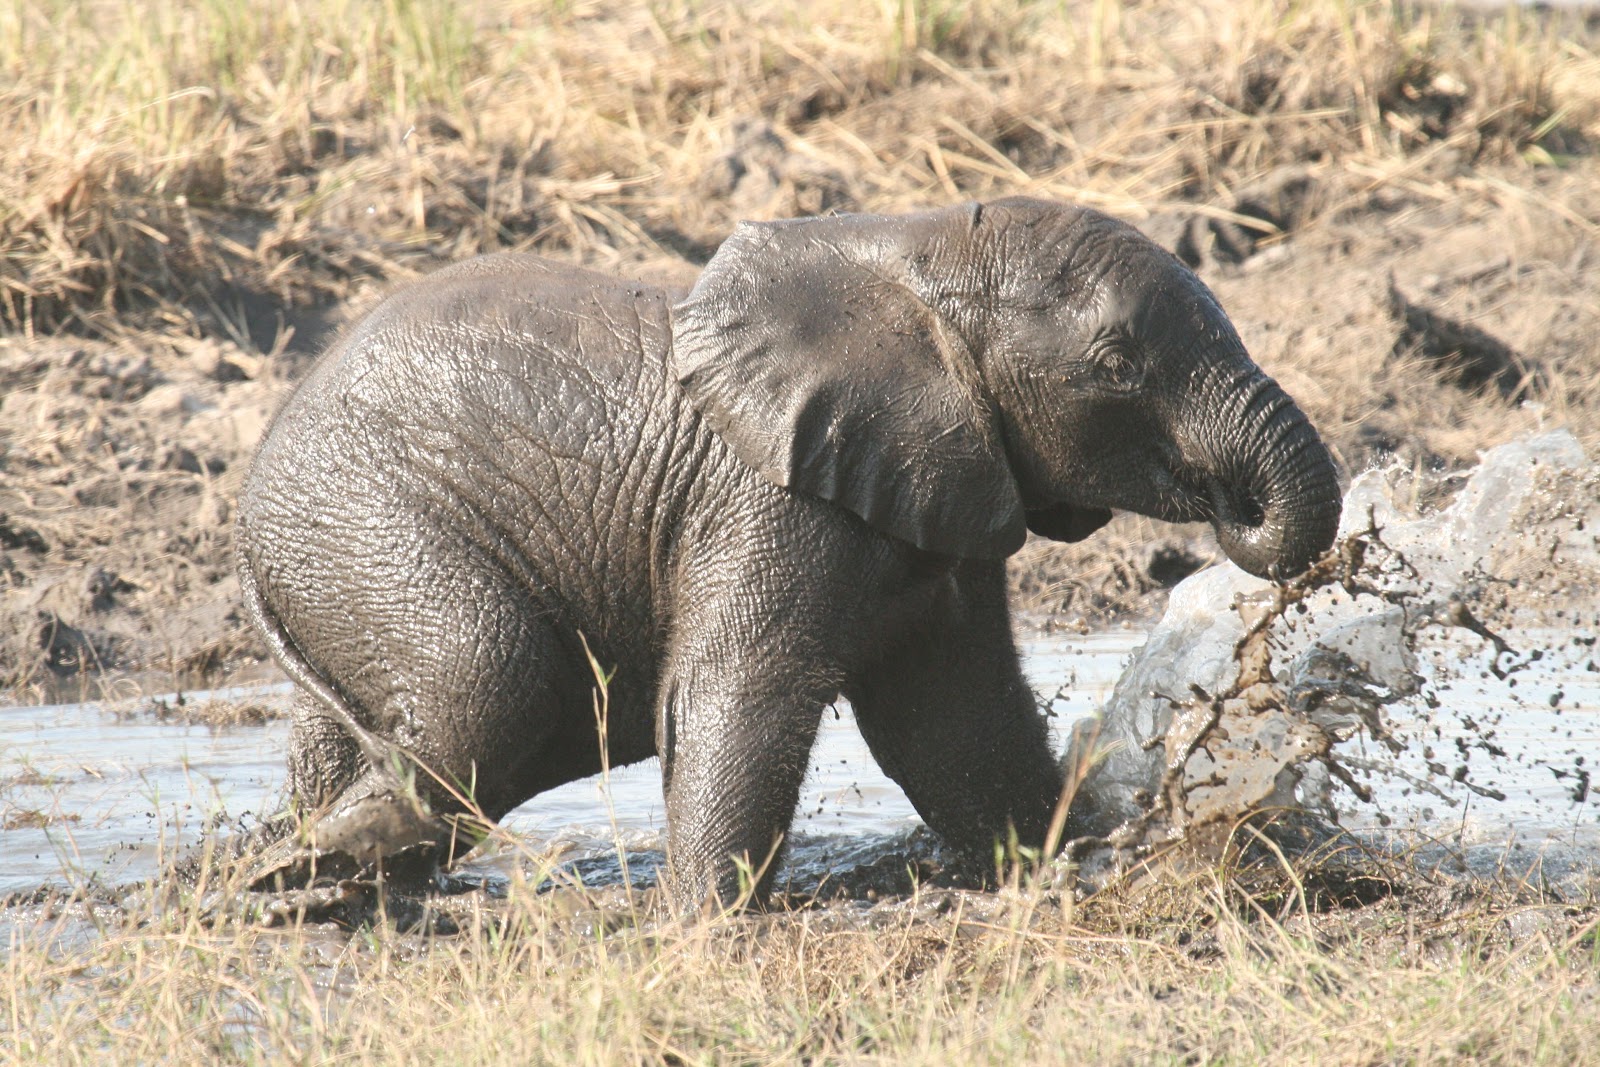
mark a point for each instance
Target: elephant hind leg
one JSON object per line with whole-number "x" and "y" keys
{"x": 452, "y": 685}
{"x": 438, "y": 785}
{"x": 346, "y": 805}
{"x": 324, "y": 760}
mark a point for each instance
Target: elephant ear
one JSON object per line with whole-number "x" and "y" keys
{"x": 805, "y": 348}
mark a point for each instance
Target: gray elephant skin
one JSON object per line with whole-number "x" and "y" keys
{"x": 798, "y": 481}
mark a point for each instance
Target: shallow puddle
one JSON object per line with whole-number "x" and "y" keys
{"x": 84, "y": 791}
{"x": 89, "y": 792}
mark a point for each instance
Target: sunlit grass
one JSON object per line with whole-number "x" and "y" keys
{"x": 1344, "y": 957}
{"x": 344, "y": 139}
{"x": 1217, "y": 967}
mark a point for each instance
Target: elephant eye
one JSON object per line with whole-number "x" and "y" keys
{"x": 1114, "y": 365}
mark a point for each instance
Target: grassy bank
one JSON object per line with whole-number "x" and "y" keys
{"x": 183, "y": 163}
{"x": 1224, "y": 967}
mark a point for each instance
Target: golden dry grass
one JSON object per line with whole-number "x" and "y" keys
{"x": 172, "y": 153}
{"x": 1227, "y": 966}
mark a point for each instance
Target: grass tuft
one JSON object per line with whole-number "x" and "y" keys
{"x": 1222, "y": 965}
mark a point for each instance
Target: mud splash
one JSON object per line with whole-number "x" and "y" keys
{"x": 1437, "y": 671}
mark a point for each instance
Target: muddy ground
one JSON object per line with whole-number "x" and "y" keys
{"x": 1414, "y": 328}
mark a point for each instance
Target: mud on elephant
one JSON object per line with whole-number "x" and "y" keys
{"x": 800, "y": 480}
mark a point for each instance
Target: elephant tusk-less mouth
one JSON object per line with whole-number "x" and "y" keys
{"x": 1206, "y": 498}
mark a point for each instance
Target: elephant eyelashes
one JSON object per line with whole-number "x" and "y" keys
{"x": 1113, "y": 367}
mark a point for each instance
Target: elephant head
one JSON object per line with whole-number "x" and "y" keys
{"x": 959, "y": 376}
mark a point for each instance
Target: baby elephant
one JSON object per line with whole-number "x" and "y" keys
{"x": 798, "y": 481}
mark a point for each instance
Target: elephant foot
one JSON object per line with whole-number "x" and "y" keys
{"x": 381, "y": 825}
{"x": 355, "y": 902}
{"x": 346, "y": 902}
{"x": 378, "y": 828}
{"x": 291, "y": 864}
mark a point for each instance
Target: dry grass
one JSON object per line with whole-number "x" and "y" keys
{"x": 1229, "y": 966}
{"x": 179, "y": 159}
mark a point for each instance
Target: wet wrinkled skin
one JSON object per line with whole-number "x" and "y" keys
{"x": 798, "y": 482}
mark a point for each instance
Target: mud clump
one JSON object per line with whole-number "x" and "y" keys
{"x": 1257, "y": 219}
{"x": 213, "y": 712}
{"x": 761, "y": 177}
{"x": 1460, "y": 353}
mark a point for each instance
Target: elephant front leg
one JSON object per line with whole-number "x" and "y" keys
{"x": 735, "y": 742}
{"x": 950, "y": 717}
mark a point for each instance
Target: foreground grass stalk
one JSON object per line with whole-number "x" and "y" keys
{"x": 1228, "y": 965}
{"x": 602, "y": 721}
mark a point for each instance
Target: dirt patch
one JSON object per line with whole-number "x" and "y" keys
{"x": 120, "y": 470}
{"x": 218, "y": 713}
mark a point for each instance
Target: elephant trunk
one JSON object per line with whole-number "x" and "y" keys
{"x": 1275, "y": 496}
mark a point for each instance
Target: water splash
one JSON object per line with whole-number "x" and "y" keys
{"x": 1380, "y": 686}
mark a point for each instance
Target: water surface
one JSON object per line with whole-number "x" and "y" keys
{"x": 85, "y": 791}
{"x": 88, "y": 791}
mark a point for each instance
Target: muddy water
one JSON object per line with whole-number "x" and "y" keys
{"x": 1528, "y": 741}
{"x": 88, "y": 792}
